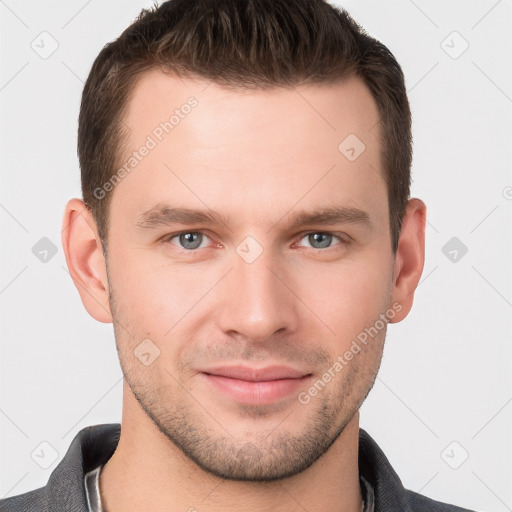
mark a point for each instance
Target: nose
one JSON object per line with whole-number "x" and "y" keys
{"x": 258, "y": 299}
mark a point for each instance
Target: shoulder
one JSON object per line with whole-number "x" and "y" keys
{"x": 390, "y": 494}
{"x": 36, "y": 500}
{"x": 65, "y": 489}
{"x": 419, "y": 503}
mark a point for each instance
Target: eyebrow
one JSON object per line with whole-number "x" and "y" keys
{"x": 163, "y": 215}
{"x": 329, "y": 216}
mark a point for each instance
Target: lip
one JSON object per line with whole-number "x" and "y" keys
{"x": 255, "y": 386}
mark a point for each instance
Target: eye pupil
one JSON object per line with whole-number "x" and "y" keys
{"x": 190, "y": 240}
{"x": 323, "y": 238}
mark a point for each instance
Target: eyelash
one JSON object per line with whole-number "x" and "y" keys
{"x": 341, "y": 236}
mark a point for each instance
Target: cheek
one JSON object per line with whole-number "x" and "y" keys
{"x": 346, "y": 298}
{"x": 148, "y": 305}
{"x": 152, "y": 304}
{"x": 155, "y": 300}
{"x": 140, "y": 298}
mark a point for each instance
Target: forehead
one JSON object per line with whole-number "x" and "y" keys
{"x": 321, "y": 108}
{"x": 204, "y": 137}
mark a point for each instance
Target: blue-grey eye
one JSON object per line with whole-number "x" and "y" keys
{"x": 190, "y": 241}
{"x": 320, "y": 240}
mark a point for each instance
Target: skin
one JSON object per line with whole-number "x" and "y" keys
{"x": 256, "y": 158}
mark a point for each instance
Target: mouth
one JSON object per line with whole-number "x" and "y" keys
{"x": 256, "y": 386}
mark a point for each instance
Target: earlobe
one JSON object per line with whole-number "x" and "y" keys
{"x": 410, "y": 257}
{"x": 85, "y": 259}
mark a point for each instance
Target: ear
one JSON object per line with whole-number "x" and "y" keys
{"x": 85, "y": 259}
{"x": 410, "y": 257}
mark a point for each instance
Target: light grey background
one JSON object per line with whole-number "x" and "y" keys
{"x": 445, "y": 388}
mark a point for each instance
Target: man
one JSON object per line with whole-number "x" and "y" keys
{"x": 247, "y": 228}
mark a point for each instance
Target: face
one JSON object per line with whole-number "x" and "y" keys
{"x": 250, "y": 268}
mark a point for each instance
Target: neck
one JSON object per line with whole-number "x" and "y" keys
{"x": 148, "y": 472}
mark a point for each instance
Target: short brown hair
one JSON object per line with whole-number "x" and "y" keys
{"x": 255, "y": 44}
